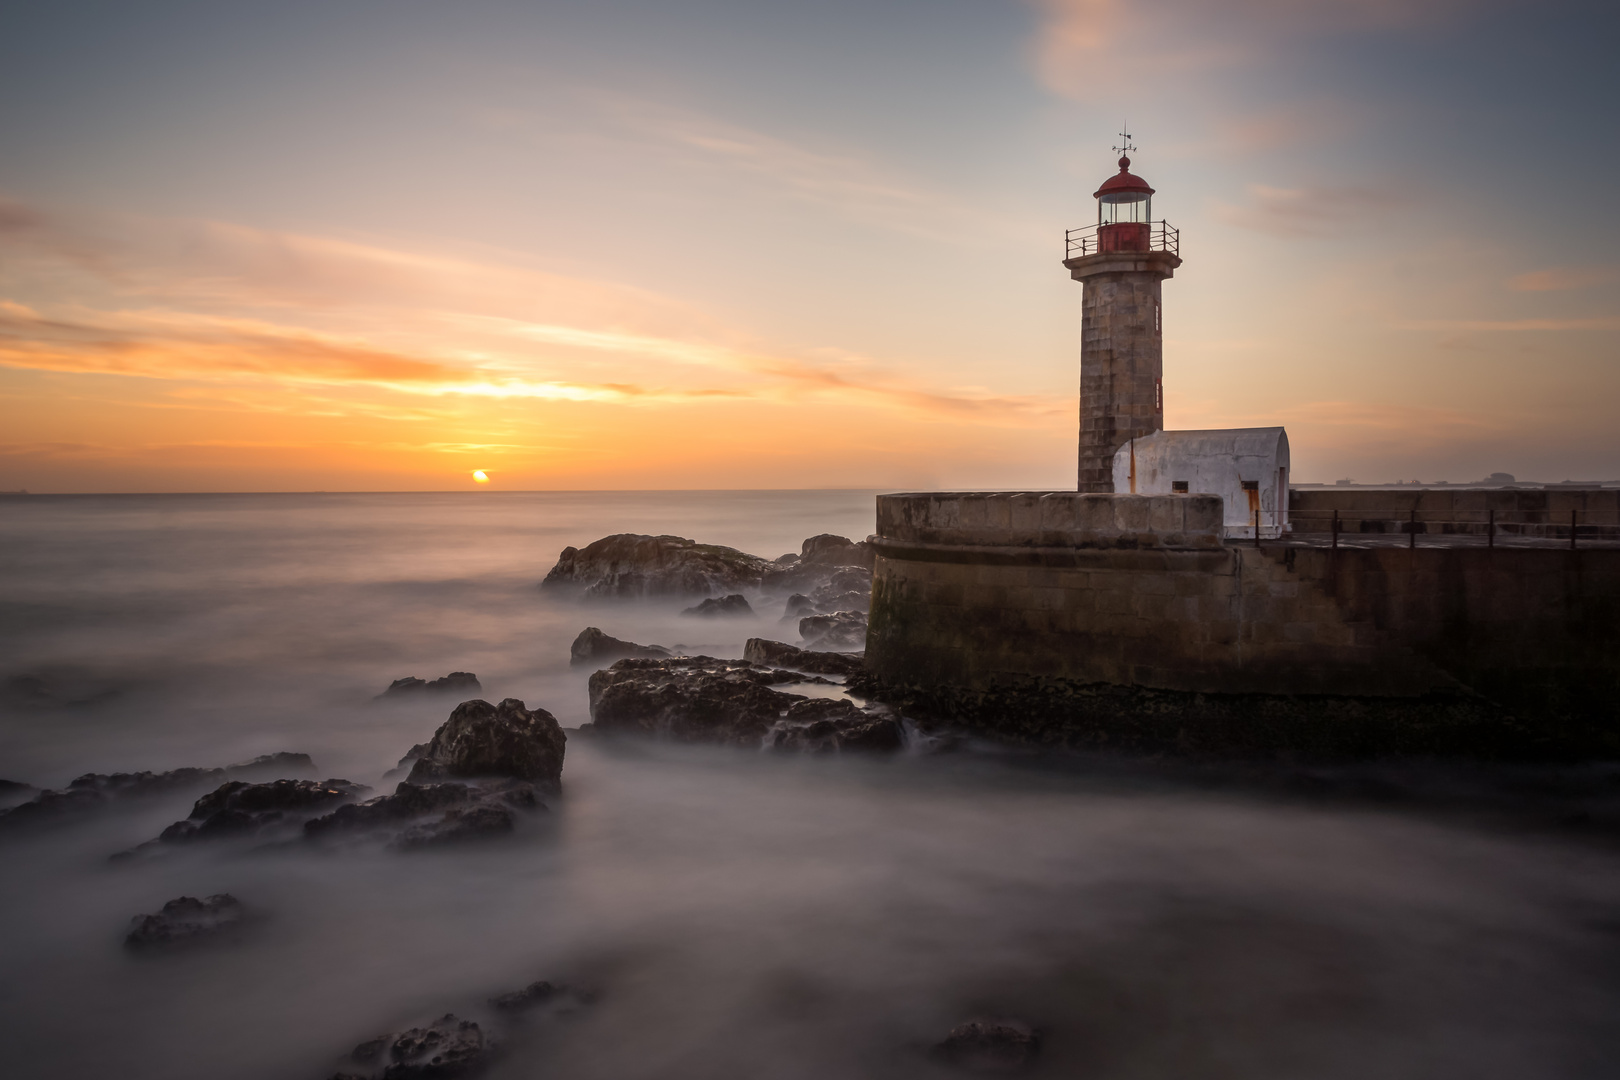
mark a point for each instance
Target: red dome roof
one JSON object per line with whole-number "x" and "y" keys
{"x": 1123, "y": 183}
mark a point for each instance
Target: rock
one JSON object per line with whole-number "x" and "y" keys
{"x": 840, "y": 630}
{"x": 632, "y": 566}
{"x": 778, "y": 654}
{"x": 12, "y": 792}
{"x": 387, "y": 812}
{"x": 733, "y": 606}
{"x": 880, "y": 734}
{"x": 96, "y": 790}
{"x": 797, "y": 607}
{"x": 702, "y": 699}
{"x": 689, "y": 699}
{"x": 990, "y": 1046}
{"x": 428, "y": 815}
{"x": 846, "y": 588}
{"x": 407, "y": 761}
{"x": 536, "y": 993}
{"x": 473, "y": 823}
{"x": 785, "y": 560}
{"x": 830, "y": 550}
{"x": 186, "y": 920}
{"x": 238, "y": 808}
{"x": 280, "y": 763}
{"x": 505, "y": 740}
{"x": 821, "y": 725}
{"x": 594, "y": 647}
{"x": 457, "y": 682}
{"x": 448, "y": 1047}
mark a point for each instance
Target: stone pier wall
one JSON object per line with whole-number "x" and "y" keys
{"x": 1075, "y": 592}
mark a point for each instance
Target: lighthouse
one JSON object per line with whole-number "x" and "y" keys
{"x": 1122, "y": 261}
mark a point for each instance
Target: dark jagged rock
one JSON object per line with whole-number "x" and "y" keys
{"x": 846, "y": 588}
{"x": 457, "y": 682}
{"x": 448, "y": 1047}
{"x": 632, "y": 566}
{"x": 990, "y": 1046}
{"x": 840, "y": 630}
{"x": 427, "y": 815}
{"x": 768, "y": 653}
{"x": 821, "y": 725}
{"x": 479, "y": 822}
{"x": 592, "y": 646}
{"x": 701, "y": 699}
{"x": 536, "y": 993}
{"x": 238, "y": 808}
{"x": 95, "y": 790}
{"x": 12, "y": 792}
{"x": 508, "y": 740}
{"x": 387, "y": 812}
{"x": 797, "y": 607}
{"x": 733, "y": 606}
{"x": 186, "y": 920}
{"x": 407, "y": 761}
{"x": 689, "y": 699}
{"x": 830, "y": 550}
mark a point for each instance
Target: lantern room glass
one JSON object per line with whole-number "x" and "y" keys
{"x": 1124, "y": 206}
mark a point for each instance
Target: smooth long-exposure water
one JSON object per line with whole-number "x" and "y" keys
{"x": 736, "y": 914}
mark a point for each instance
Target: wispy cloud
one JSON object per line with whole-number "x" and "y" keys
{"x": 1086, "y": 47}
{"x": 1559, "y": 278}
{"x": 1511, "y": 325}
{"x": 840, "y": 181}
{"x": 225, "y": 305}
{"x": 1307, "y": 211}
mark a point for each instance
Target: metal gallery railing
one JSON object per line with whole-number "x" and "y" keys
{"x": 1091, "y": 240}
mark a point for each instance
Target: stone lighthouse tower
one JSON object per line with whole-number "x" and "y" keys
{"x": 1122, "y": 261}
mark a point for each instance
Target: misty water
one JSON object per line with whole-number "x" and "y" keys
{"x": 736, "y": 914}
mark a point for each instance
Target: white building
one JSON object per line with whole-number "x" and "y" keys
{"x": 1247, "y": 467}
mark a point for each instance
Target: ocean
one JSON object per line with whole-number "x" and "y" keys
{"x": 726, "y": 913}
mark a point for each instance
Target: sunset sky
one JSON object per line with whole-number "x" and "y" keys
{"x": 379, "y": 245}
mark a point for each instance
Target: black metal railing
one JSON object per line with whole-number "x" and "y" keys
{"x": 1575, "y": 528}
{"x": 1161, "y": 236}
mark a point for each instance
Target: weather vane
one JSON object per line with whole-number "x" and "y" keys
{"x": 1125, "y": 146}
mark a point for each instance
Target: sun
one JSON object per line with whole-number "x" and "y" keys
{"x": 481, "y": 476}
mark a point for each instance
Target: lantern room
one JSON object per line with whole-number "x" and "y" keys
{"x": 1124, "y": 211}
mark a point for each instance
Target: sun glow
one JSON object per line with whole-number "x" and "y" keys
{"x": 480, "y": 476}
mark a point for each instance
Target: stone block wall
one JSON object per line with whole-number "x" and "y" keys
{"x": 1121, "y": 355}
{"x": 952, "y": 608}
{"x": 1050, "y": 519}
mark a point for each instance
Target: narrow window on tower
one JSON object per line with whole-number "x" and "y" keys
{"x": 1178, "y": 487}
{"x": 1158, "y": 395}
{"x": 1158, "y": 327}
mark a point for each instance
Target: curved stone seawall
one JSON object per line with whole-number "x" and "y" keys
{"x": 972, "y": 592}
